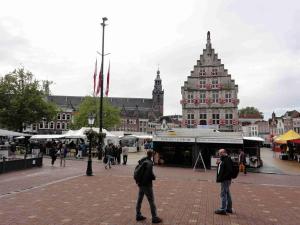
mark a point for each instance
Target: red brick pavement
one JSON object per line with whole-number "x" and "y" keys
{"x": 183, "y": 197}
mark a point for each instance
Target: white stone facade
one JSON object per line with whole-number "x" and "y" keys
{"x": 209, "y": 96}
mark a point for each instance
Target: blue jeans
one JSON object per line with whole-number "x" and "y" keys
{"x": 148, "y": 191}
{"x": 109, "y": 159}
{"x": 225, "y": 195}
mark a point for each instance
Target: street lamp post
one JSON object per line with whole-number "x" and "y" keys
{"x": 91, "y": 120}
{"x": 101, "y": 94}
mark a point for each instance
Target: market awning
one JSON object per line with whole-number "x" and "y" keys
{"x": 46, "y": 136}
{"x": 259, "y": 139}
{"x": 8, "y": 133}
{"x": 288, "y": 136}
{"x": 297, "y": 141}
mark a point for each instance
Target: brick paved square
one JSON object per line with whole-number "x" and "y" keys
{"x": 182, "y": 196}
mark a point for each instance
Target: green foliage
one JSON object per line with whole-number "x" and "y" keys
{"x": 111, "y": 115}
{"x": 22, "y": 101}
{"x": 249, "y": 111}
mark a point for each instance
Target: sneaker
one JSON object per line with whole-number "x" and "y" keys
{"x": 220, "y": 211}
{"x": 156, "y": 220}
{"x": 140, "y": 218}
{"x": 229, "y": 211}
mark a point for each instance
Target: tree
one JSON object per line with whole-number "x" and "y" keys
{"x": 111, "y": 115}
{"x": 22, "y": 100}
{"x": 250, "y": 111}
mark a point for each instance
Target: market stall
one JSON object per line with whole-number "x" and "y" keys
{"x": 284, "y": 144}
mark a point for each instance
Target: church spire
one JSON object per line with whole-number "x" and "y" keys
{"x": 208, "y": 43}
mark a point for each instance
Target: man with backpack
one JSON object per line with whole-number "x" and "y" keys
{"x": 224, "y": 175}
{"x": 144, "y": 176}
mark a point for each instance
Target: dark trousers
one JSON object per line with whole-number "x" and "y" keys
{"x": 148, "y": 191}
{"x": 245, "y": 170}
{"x": 53, "y": 160}
{"x": 124, "y": 159}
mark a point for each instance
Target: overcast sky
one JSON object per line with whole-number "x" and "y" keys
{"x": 257, "y": 41}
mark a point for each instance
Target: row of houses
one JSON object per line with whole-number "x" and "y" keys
{"x": 255, "y": 125}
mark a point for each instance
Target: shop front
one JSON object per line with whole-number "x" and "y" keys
{"x": 196, "y": 148}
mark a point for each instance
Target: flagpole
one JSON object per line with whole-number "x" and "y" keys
{"x": 101, "y": 93}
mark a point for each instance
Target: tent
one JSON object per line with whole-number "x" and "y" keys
{"x": 46, "y": 136}
{"x": 8, "y": 133}
{"x": 111, "y": 138}
{"x": 288, "y": 136}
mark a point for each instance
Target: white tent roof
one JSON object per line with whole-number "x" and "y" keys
{"x": 47, "y": 136}
{"x": 11, "y": 133}
{"x": 80, "y": 133}
{"x": 254, "y": 139}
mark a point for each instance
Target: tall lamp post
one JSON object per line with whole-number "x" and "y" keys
{"x": 91, "y": 120}
{"x": 101, "y": 94}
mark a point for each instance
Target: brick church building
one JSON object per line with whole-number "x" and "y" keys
{"x": 137, "y": 114}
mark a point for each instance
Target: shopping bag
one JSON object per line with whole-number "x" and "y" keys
{"x": 242, "y": 168}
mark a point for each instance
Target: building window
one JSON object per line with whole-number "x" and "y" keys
{"x": 68, "y": 116}
{"x": 58, "y": 125}
{"x": 190, "y": 98}
{"x": 214, "y": 72}
{"x": 63, "y": 126}
{"x": 58, "y": 116}
{"x": 46, "y": 125}
{"x": 202, "y": 83}
{"x": 34, "y": 127}
{"x": 227, "y": 97}
{"x": 51, "y": 125}
{"x": 41, "y": 125}
{"x": 215, "y": 96}
{"x": 63, "y": 116}
{"x": 228, "y": 118}
{"x": 203, "y": 117}
{"x": 202, "y": 97}
{"x": 214, "y": 83}
{"x": 190, "y": 119}
{"x": 202, "y": 72}
{"x": 215, "y": 118}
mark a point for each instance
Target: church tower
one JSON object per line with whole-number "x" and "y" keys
{"x": 209, "y": 96}
{"x": 158, "y": 96}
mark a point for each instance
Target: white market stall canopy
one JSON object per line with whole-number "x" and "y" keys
{"x": 46, "y": 136}
{"x": 81, "y": 133}
{"x": 8, "y": 133}
{"x": 259, "y": 139}
{"x": 198, "y": 135}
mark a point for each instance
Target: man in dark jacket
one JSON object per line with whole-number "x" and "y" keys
{"x": 224, "y": 173}
{"x": 145, "y": 188}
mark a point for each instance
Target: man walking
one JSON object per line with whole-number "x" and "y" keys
{"x": 125, "y": 154}
{"x": 224, "y": 174}
{"x": 242, "y": 162}
{"x": 146, "y": 188}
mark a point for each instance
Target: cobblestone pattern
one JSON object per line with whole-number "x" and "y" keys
{"x": 183, "y": 197}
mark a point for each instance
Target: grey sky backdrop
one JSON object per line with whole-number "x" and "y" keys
{"x": 258, "y": 41}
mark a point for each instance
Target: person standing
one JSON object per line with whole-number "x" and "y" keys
{"x": 52, "y": 154}
{"x": 119, "y": 152}
{"x": 242, "y": 161}
{"x": 146, "y": 188}
{"x": 63, "y": 155}
{"x": 125, "y": 154}
{"x": 224, "y": 174}
{"x": 80, "y": 150}
{"x": 108, "y": 154}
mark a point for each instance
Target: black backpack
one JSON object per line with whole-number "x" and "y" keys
{"x": 139, "y": 172}
{"x": 235, "y": 169}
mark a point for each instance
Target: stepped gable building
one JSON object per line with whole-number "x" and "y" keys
{"x": 209, "y": 96}
{"x": 136, "y": 113}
